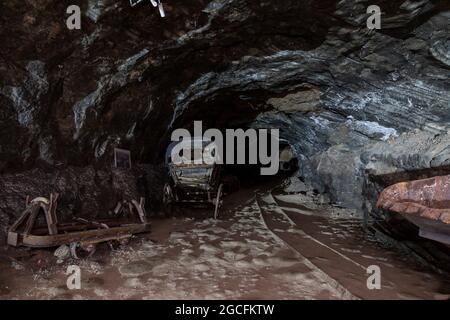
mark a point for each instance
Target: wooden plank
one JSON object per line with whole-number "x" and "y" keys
{"x": 50, "y": 215}
{"x": 13, "y": 239}
{"x": 140, "y": 209}
{"x": 19, "y": 221}
{"x": 98, "y": 235}
{"x": 118, "y": 208}
{"x": 32, "y": 218}
{"x": 78, "y": 226}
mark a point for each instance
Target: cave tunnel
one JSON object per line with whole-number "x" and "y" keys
{"x": 357, "y": 208}
{"x": 234, "y": 112}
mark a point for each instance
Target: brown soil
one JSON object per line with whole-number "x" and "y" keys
{"x": 286, "y": 255}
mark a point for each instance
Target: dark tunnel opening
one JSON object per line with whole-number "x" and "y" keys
{"x": 236, "y": 113}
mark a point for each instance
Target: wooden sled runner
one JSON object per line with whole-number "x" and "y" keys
{"x": 80, "y": 233}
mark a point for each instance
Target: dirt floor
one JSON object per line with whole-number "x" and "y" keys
{"x": 263, "y": 246}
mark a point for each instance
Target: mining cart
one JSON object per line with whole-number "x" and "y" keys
{"x": 196, "y": 181}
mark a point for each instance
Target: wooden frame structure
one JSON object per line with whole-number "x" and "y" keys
{"x": 84, "y": 233}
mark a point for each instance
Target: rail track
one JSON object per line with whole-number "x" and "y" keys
{"x": 345, "y": 270}
{"x": 264, "y": 210}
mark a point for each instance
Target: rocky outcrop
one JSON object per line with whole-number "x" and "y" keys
{"x": 441, "y": 51}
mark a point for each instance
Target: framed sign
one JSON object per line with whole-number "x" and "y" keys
{"x": 122, "y": 158}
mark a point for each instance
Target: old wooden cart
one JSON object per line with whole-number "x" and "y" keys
{"x": 82, "y": 235}
{"x": 197, "y": 181}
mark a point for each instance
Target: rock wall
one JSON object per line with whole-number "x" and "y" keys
{"x": 354, "y": 104}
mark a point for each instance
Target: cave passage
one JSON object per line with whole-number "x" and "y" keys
{"x": 338, "y": 188}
